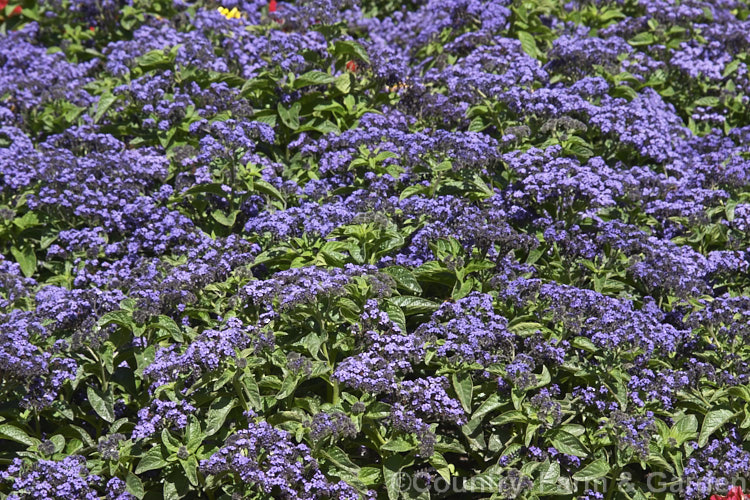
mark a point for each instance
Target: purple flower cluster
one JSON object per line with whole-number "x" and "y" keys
{"x": 713, "y": 468}
{"x": 335, "y": 425}
{"x": 48, "y": 479}
{"x": 266, "y": 458}
{"x": 469, "y": 331}
{"x": 205, "y": 354}
{"x": 161, "y": 415}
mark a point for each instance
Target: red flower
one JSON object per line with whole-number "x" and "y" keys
{"x": 351, "y": 66}
{"x": 734, "y": 494}
{"x": 271, "y": 6}
{"x": 16, "y": 11}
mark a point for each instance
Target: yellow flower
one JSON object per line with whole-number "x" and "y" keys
{"x": 398, "y": 87}
{"x": 230, "y": 14}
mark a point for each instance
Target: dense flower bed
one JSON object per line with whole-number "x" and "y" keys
{"x": 418, "y": 249}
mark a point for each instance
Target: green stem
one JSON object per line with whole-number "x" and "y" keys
{"x": 435, "y": 183}
{"x": 335, "y": 396}
{"x": 209, "y": 493}
{"x": 38, "y": 424}
{"x": 102, "y": 369}
{"x": 239, "y": 389}
{"x": 613, "y": 487}
{"x": 373, "y": 432}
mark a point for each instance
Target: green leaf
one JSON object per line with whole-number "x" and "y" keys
{"x": 477, "y": 124}
{"x": 644, "y": 38}
{"x": 731, "y": 205}
{"x": 158, "y": 58}
{"x": 549, "y": 473}
{"x": 658, "y": 462}
{"x": 484, "y": 483}
{"x": 414, "y": 305}
{"x": 684, "y": 429}
{"x": 709, "y": 101}
{"x": 350, "y": 48}
{"x": 59, "y": 441}
{"x": 412, "y": 190}
{"x": 213, "y": 188}
{"x": 288, "y": 386}
{"x": 730, "y": 68}
{"x": 106, "y": 100}
{"x": 528, "y": 43}
{"x": 193, "y": 434}
{"x": 264, "y": 187}
{"x": 290, "y": 117}
{"x": 531, "y": 429}
{"x": 170, "y": 491}
{"x": 344, "y": 83}
{"x": 398, "y": 445}
{"x": 656, "y": 78}
{"x": 28, "y": 220}
{"x": 543, "y": 379}
{"x": 569, "y": 444}
{"x": 170, "y": 326}
{"x": 585, "y": 344}
{"x": 464, "y": 387}
{"x": 625, "y": 91}
{"x": 525, "y": 328}
{"x": 326, "y": 127}
{"x": 190, "y": 466}
{"x": 490, "y": 404}
{"x": 713, "y": 421}
{"x": 443, "y": 166}
{"x": 151, "y": 461}
{"x": 103, "y": 404}
{"x": 667, "y": 92}
{"x": 370, "y": 475}
{"x": 609, "y": 14}
{"x": 404, "y": 278}
{"x": 436, "y": 272}
{"x": 313, "y": 78}
{"x": 482, "y": 186}
{"x": 144, "y": 359}
{"x": 134, "y": 486}
{"x": 461, "y": 290}
{"x": 392, "y": 476}
{"x": 596, "y": 469}
{"x": 341, "y": 460}
{"x": 438, "y": 461}
{"x": 217, "y": 414}
{"x": 30, "y": 13}
{"x": 378, "y": 410}
{"x": 447, "y": 444}
{"x": 13, "y": 433}
{"x": 396, "y": 314}
{"x": 252, "y": 391}
{"x": 509, "y": 417}
{"x": 169, "y": 441}
{"x": 262, "y": 82}
{"x": 575, "y": 429}
{"x": 473, "y": 432}
{"x": 579, "y": 150}
{"x": 224, "y": 219}
{"x": 26, "y": 259}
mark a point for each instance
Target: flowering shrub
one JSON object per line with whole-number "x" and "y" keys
{"x": 374, "y": 249}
